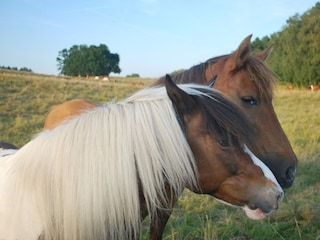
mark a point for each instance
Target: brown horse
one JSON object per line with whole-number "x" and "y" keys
{"x": 249, "y": 83}
{"x": 313, "y": 87}
{"x": 98, "y": 175}
{"x": 63, "y": 111}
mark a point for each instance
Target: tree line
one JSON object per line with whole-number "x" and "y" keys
{"x": 24, "y": 69}
{"x": 295, "y": 58}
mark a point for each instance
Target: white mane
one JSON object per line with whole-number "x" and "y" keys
{"x": 83, "y": 177}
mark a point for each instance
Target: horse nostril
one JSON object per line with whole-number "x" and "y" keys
{"x": 290, "y": 174}
{"x": 280, "y": 197}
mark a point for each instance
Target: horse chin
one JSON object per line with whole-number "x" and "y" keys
{"x": 255, "y": 214}
{"x": 251, "y": 211}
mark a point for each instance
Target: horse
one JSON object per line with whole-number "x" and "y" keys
{"x": 250, "y": 84}
{"x": 65, "y": 110}
{"x": 313, "y": 87}
{"x": 100, "y": 173}
{"x": 290, "y": 87}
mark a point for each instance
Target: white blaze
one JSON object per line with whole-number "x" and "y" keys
{"x": 266, "y": 171}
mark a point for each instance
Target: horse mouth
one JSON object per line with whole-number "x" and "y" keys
{"x": 255, "y": 213}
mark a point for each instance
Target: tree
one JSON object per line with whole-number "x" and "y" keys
{"x": 296, "y": 55}
{"x": 83, "y": 60}
{"x": 133, "y": 75}
{"x": 24, "y": 69}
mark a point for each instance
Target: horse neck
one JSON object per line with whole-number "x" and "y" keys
{"x": 195, "y": 74}
{"x": 130, "y": 149}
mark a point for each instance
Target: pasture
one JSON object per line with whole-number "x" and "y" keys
{"x": 25, "y": 100}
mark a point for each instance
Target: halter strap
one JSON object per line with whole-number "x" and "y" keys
{"x": 212, "y": 80}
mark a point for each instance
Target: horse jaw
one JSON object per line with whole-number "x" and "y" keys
{"x": 254, "y": 212}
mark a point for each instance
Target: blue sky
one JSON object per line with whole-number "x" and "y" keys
{"x": 152, "y": 37}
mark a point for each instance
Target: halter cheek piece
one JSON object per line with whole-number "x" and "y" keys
{"x": 212, "y": 80}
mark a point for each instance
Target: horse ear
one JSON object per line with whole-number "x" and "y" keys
{"x": 264, "y": 54}
{"x": 182, "y": 102}
{"x": 240, "y": 56}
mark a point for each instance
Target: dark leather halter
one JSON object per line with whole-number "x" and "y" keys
{"x": 212, "y": 80}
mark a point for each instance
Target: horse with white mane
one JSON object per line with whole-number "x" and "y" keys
{"x": 98, "y": 175}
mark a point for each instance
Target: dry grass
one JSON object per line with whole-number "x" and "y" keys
{"x": 27, "y": 98}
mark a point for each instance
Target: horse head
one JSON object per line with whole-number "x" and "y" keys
{"x": 215, "y": 128}
{"x": 249, "y": 83}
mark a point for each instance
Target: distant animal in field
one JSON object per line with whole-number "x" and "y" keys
{"x": 290, "y": 87}
{"x": 103, "y": 78}
{"x": 313, "y": 87}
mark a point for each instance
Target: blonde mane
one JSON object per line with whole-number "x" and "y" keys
{"x": 84, "y": 176}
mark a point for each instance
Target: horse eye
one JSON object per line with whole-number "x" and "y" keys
{"x": 223, "y": 144}
{"x": 249, "y": 100}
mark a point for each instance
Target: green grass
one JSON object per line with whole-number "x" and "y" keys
{"x": 25, "y": 100}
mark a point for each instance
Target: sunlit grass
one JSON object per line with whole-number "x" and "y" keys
{"x": 27, "y": 98}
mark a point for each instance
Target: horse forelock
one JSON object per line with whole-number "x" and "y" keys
{"x": 85, "y": 174}
{"x": 263, "y": 77}
{"x": 223, "y": 118}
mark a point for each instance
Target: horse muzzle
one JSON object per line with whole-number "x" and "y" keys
{"x": 265, "y": 204}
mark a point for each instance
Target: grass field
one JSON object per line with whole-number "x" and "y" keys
{"x": 25, "y": 100}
